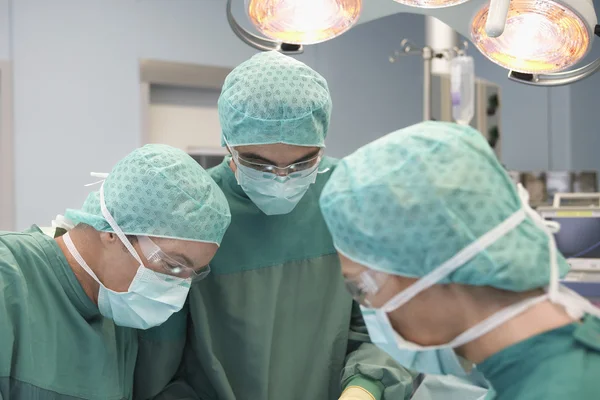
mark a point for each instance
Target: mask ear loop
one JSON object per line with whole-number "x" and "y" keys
{"x": 573, "y": 305}
{"x": 457, "y": 261}
{"x": 77, "y": 256}
{"x": 481, "y": 244}
{"x": 113, "y": 224}
{"x": 549, "y": 229}
{"x": 572, "y": 302}
{"x": 102, "y": 175}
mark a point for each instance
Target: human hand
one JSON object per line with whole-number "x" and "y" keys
{"x": 356, "y": 393}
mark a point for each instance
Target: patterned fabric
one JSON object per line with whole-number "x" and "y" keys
{"x": 159, "y": 191}
{"x": 273, "y": 98}
{"x": 411, "y": 200}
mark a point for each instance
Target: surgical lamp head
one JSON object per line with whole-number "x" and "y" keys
{"x": 305, "y": 21}
{"x": 539, "y": 37}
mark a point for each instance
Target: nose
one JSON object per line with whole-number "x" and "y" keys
{"x": 282, "y": 172}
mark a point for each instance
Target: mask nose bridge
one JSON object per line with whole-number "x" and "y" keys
{"x": 281, "y": 171}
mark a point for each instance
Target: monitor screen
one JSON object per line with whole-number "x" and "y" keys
{"x": 578, "y": 237}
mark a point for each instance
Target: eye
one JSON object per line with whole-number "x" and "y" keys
{"x": 173, "y": 268}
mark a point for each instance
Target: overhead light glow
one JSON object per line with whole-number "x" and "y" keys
{"x": 540, "y": 37}
{"x": 303, "y": 21}
{"x": 431, "y": 3}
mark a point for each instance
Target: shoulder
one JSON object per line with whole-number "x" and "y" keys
{"x": 576, "y": 370}
{"x": 21, "y": 257}
{"x": 219, "y": 172}
{"x": 12, "y": 244}
{"x": 13, "y": 281}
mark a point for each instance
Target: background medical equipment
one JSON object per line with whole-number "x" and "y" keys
{"x": 207, "y": 157}
{"x": 478, "y": 104}
{"x": 543, "y": 186}
{"x": 462, "y": 88}
{"x": 578, "y": 240}
{"x": 487, "y": 112}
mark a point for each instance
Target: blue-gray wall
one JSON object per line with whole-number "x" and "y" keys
{"x": 77, "y": 98}
{"x": 585, "y": 118}
{"x": 371, "y": 96}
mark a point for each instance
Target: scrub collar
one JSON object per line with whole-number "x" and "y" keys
{"x": 65, "y": 275}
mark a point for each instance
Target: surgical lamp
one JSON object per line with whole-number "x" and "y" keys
{"x": 539, "y": 36}
{"x": 536, "y": 40}
{"x": 303, "y": 21}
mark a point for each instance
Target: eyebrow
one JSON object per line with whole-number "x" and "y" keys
{"x": 256, "y": 157}
{"x": 267, "y": 161}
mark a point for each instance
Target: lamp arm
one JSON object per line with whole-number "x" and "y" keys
{"x": 257, "y": 42}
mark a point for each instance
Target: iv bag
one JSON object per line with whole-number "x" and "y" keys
{"x": 462, "y": 87}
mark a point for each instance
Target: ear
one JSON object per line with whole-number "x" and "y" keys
{"x": 232, "y": 166}
{"x": 109, "y": 238}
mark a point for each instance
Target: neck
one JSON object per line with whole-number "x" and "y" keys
{"x": 88, "y": 284}
{"x": 538, "y": 319}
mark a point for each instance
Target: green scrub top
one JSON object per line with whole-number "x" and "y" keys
{"x": 560, "y": 364}
{"x": 273, "y": 320}
{"x": 54, "y": 344}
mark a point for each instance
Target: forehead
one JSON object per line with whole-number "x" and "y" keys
{"x": 191, "y": 249}
{"x": 279, "y": 152}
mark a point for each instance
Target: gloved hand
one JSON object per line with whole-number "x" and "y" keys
{"x": 356, "y": 393}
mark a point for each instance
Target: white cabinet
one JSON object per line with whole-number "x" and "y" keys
{"x": 179, "y": 108}
{"x": 184, "y": 117}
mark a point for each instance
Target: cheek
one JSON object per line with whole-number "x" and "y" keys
{"x": 382, "y": 297}
{"x": 346, "y": 271}
{"x": 349, "y": 267}
{"x": 119, "y": 272}
{"x": 387, "y": 292}
{"x": 398, "y": 322}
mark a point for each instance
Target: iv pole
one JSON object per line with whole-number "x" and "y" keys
{"x": 427, "y": 54}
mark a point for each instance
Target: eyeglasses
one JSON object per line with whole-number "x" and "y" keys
{"x": 367, "y": 283}
{"x": 156, "y": 256}
{"x": 295, "y": 170}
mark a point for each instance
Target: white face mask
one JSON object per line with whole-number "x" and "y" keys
{"x": 441, "y": 359}
{"x": 152, "y": 297}
{"x": 274, "y": 196}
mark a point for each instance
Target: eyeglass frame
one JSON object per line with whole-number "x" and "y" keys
{"x": 154, "y": 254}
{"x": 367, "y": 283}
{"x": 270, "y": 168}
